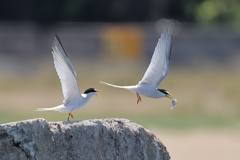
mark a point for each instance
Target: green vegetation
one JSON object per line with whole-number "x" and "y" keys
{"x": 217, "y": 11}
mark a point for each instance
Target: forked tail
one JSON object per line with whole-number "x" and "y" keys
{"x": 130, "y": 88}
{"x": 112, "y": 85}
{"x": 59, "y": 108}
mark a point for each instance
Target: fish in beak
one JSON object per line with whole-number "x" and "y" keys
{"x": 174, "y": 100}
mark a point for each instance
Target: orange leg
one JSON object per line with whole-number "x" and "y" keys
{"x": 69, "y": 114}
{"x": 138, "y": 98}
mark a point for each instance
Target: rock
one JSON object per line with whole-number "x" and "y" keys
{"x": 100, "y": 139}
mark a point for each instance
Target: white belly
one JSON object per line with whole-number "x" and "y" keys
{"x": 147, "y": 91}
{"x": 75, "y": 105}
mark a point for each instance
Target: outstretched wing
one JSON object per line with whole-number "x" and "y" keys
{"x": 66, "y": 73}
{"x": 158, "y": 68}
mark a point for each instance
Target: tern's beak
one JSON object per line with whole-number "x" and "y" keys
{"x": 98, "y": 94}
{"x": 170, "y": 96}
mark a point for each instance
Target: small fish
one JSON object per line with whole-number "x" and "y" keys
{"x": 174, "y": 102}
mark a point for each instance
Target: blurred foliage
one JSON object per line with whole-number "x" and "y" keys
{"x": 217, "y": 11}
{"x": 51, "y": 11}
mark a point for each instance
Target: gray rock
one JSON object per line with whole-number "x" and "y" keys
{"x": 100, "y": 139}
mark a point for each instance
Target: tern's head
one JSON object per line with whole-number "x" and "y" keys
{"x": 92, "y": 91}
{"x": 166, "y": 93}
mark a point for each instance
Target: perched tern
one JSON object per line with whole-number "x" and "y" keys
{"x": 73, "y": 99}
{"x": 156, "y": 72}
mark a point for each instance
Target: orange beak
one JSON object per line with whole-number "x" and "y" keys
{"x": 98, "y": 94}
{"x": 170, "y": 96}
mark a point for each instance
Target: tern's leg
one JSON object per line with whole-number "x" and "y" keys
{"x": 138, "y": 98}
{"x": 69, "y": 114}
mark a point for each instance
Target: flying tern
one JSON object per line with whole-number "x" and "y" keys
{"x": 73, "y": 99}
{"x": 156, "y": 72}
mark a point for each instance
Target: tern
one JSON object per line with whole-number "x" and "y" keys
{"x": 73, "y": 99}
{"x": 156, "y": 72}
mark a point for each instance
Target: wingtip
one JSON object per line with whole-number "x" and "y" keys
{"x": 58, "y": 43}
{"x": 56, "y": 36}
{"x": 57, "y": 39}
{"x": 170, "y": 31}
{"x": 167, "y": 31}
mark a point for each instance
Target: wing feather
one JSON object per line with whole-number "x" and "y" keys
{"x": 66, "y": 72}
{"x": 158, "y": 68}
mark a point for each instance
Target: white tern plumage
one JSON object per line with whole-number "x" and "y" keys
{"x": 156, "y": 72}
{"x": 73, "y": 99}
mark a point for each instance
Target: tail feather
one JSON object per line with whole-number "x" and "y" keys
{"x": 43, "y": 109}
{"x": 60, "y": 108}
{"x": 130, "y": 88}
{"x": 112, "y": 85}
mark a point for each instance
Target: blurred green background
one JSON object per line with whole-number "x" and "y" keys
{"x": 113, "y": 41}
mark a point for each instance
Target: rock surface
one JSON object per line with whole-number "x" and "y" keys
{"x": 100, "y": 139}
